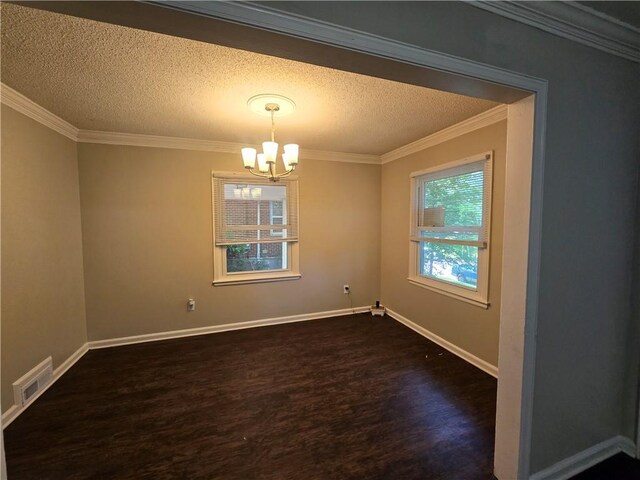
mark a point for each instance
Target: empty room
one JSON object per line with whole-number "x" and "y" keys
{"x": 290, "y": 240}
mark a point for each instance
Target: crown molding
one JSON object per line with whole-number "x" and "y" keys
{"x": 158, "y": 141}
{"x": 14, "y": 99}
{"x": 28, "y": 107}
{"x": 572, "y": 21}
{"x": 481, "y": 120}
{"x": 339, "y": 156}
{"x": 31, "y": 109}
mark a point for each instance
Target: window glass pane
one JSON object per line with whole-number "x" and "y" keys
{"x": 457, "y": 264}
{"x": 253, "y": 257}
{"x": 277, "y": 218}
{"x": 254, "y": 205}
{"x": 276, "y": 212}
{"x": 250, "y": 204}
{"x": 453, "y": 201}
{"x": 254, "y": 236}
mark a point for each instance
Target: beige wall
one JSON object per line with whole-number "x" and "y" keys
{"x": 467, "y": 326}
{"x": 43, "y": 311}
{"x": 146, "y": 221}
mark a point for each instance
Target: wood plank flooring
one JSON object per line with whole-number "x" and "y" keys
{"x": 355, "y": 397}
{"x": 618, "y": 467}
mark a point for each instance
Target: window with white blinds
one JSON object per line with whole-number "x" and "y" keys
{"x": 244, "y": 211}
{"x": 450, "y": 227}
{"x": 255, "y": 226}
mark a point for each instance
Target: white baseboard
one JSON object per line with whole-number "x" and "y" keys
{"x": 585, "y": 459}
{"x": 469, "y": 357}
{"x": 12, "y": 413}
{"x": 69, "y": 362}
{"x": 189, "y": 332}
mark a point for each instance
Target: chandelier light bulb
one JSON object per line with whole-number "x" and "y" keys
{"x": 291, "y": 150}
{"x": 270, "y": 150}
{"x": 263, "y": 166}
{"x": 249, "y": 157}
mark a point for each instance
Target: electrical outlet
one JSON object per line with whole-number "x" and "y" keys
{"x": 346, "y": 289}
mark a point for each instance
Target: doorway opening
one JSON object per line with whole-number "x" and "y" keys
{"x": 262, "y": 30}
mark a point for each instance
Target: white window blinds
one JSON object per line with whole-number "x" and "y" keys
{"x": 453, "y": 205}
{"x": 244, "y": 211}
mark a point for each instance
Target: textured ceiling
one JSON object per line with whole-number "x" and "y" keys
{"x": 99, "y": 76}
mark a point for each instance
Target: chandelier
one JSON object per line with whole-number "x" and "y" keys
{"x": 271, "y": 105}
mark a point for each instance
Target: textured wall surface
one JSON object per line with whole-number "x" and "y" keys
{"x": 469, "y": 327}
{"x": 43, "y": 311}
{"x": 146, "y": 220}
{"x": 590, "y": 180}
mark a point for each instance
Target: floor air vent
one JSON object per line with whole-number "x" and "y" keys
{"x": 30, "y": 384}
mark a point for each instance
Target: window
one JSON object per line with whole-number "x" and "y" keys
{"x": 276, "y": 215}
{"x": 450, "y": 226}
{"x": 255, "y": 226}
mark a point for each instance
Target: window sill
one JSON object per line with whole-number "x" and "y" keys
{"x": 246, "y": 279}
{"x": 458, "y": 296}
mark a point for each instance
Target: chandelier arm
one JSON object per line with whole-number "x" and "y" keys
{"x": 286, "y": 174}
{"x": 259, "y": 175}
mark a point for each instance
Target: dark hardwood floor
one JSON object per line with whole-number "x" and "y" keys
{"x": 618, "y": 467}
{"x": 354, "y": 397}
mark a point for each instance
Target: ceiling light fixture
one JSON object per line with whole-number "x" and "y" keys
{"x": 271, "y": 105}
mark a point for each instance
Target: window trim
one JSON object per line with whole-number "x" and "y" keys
{"x": 480, "y": 296}
{"x": 220, "y": 275}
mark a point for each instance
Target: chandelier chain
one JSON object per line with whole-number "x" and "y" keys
{"x": 273, "y": 127}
